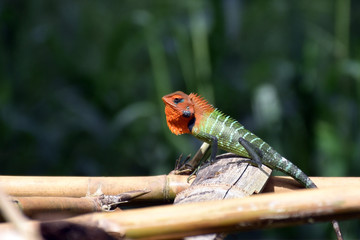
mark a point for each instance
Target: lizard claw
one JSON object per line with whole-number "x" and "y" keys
{"x": 181, "y": 168}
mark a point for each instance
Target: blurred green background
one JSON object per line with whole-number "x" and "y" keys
{"x": 81, "y": 84}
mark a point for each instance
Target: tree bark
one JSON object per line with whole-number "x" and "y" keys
{"x": 229, "y": 176}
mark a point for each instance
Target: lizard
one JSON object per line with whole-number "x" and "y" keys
{"x": 192, "y": 114}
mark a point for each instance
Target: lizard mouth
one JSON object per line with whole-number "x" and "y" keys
{"x": 168, "y": 103}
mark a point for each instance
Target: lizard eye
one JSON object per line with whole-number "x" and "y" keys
{"x": 178, "y": 100}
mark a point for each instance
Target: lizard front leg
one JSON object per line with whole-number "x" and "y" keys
{"x": 214, "y": 148}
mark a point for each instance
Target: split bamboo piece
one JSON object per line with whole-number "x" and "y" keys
{"x": 258, "y": 211}
{"x": 36, "y": 205}
{"x": 162, "y": 187}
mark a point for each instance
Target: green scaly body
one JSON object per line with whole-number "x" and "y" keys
{"x": 228, "y": 131}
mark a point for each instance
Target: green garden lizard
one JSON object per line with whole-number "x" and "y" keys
{"x": 192, "y": 114}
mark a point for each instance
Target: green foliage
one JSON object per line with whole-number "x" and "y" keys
{"x": 81, "y": 83}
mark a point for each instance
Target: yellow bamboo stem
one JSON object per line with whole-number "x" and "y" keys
{"x": 162, "y": 187}
{"x": 255, "y": 212}
{"x": 285, "y": 184}
{"x": 262, "y": 210}
{"x": 46, "y": 206}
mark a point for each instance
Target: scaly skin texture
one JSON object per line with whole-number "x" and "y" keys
{"x": 194, "y": 115}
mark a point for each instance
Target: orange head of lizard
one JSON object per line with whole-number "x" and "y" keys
{"x": 179, "y": 111}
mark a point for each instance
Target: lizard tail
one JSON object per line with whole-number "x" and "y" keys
{"x": 292, "y": 170}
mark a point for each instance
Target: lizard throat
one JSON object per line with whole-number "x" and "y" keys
{"x": 177, "y": 123}
{"x": 191, "y": 124}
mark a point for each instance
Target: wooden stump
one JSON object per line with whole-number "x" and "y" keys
{"x": 229, "y": 176}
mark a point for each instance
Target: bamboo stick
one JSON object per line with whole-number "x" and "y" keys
{"x": 258, "y": 211}
{"x": 41, "y": 206}
{"x": 21, "y": 229}
{"x": 254, "y": 212}
{"x": 286, "y": 184}
{"x": 35, "y": 206}
{"x": 66, "y": 206}
{"x": 336, "y": 199}
{"x": 162, "y": 188}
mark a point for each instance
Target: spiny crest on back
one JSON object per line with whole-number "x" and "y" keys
{"x": 200, "y": 103}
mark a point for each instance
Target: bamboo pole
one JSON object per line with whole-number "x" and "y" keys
{"x": 254, "y": 212}
{"x": 34, "y": 206}
{"x": 47, "y": 206}
{"x": 286, "y": 184}
{"x": 20, "y": 227}
{"x": 162, "y": 187}
{"x": 258, "y": 211}
{"x": 66, "y": 206}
